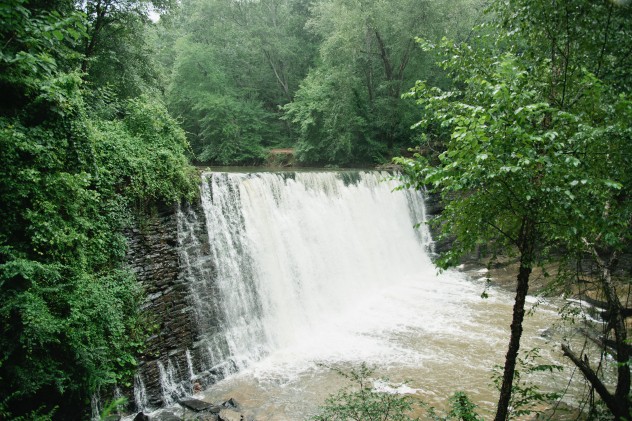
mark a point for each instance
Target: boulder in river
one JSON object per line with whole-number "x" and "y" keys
{"x": 197, "y": 405}
{"x": 141, "y": 416}
{"x": 228, "y": 414}
{"x": 231, "y": 403}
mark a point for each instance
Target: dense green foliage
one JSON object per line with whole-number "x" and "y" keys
{"x": 234, "y": 65}
{"x": 225, "y": 126}
{"x": 349, "y": 108}
{"x": 461, "y": 409}
{"x": 535, "y": 134}
{"x": 324, "y": 77}
{"x": 74, "y": 166}
{"x": 116, "y": 51}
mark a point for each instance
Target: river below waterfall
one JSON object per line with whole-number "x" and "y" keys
{"x": 439, "y": 337}
{"x": 318, "y": 270}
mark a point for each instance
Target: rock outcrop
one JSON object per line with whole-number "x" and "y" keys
{"x": 154, "y": 258}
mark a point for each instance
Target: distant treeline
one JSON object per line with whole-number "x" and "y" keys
{"x": 323, "y": 76}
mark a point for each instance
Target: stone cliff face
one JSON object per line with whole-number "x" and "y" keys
{"x": 154, "y": 257}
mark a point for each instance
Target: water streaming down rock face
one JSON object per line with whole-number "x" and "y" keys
{"x": 282, "y": 254}
{"x": 290, "y": 249}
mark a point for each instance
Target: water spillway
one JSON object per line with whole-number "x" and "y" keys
{"x": 292, "y": 249}
{"x": 283, "y": 272}
{"x": 289, "y": 250}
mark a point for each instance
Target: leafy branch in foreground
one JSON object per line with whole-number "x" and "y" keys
{"x": 461, "y": 408}
{"x": 360, "y": 401}
{"x": 535, "y": 159}
{"x": 525, "y": 395}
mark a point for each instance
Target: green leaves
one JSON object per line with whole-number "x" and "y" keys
{"x": 507, "y": 146}
{"x": 349, "y": 108}
{"x": 461, "y": 409}
{"x": 528, "y": 397}
{"x": 360, "y": 401}
{"x": 225, "y": 125}
{"x": 533, "y": 139}
{"x": 234, "y": 66}
{"x": 71, "y": 178}
{"x": 142, "y": 157}
{"x": 35, "y": 44}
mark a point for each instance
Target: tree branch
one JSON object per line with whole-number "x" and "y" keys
{"x": 388, "y": 66}
{"x": 605, "y": 40}
{"x": 593, "y": 379}
{"x": 505, "y": 234}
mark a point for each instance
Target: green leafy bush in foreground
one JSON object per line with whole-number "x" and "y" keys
{"x": 461, "y": 408}
{"x": 360, "y": 401}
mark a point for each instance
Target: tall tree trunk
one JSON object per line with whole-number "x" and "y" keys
{"x": 100, "y": 11}
{"x": 617, "y": 321}
{"x": 514, "y": 343}
{"x": 526, "y": 245}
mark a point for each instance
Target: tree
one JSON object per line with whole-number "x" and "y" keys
{"x": 522, "y": 129}
{"x": 589, "y": 77}
{"x": 236, "y": 64}
{"x": 70, "y": 181}
{"x": 224, "y": 125}
{"x": 349, "y": 107}
{"x": 115, "y": 50}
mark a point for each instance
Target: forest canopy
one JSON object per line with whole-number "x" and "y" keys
{"x": 323, "y": 77}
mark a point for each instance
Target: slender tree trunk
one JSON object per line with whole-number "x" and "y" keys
{"x": 526, "y": 247}
{"x": 101, "y": 11}
{"x": 514, "y": 343}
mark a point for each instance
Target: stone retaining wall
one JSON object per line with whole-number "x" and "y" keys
{"x": 153, "y": 256}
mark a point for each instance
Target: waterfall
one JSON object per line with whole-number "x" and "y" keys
{"x": 288, "y": 251}
{"x": 285, "y": 271}
{"x": 140, "y": 393}
{"x": 269, "y": 260}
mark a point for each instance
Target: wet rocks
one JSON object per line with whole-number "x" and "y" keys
{"x": 229, "y": 411}
{"x": 434, "y": 207}
{"x": 154, "y": 258}
{"x": 141, "y": 416}
{"x": 166, "y": 416}
{"x": 198, "y": 410}
{"x": 158, "y": 254}
{"x": 198, "y": 405}
{"x": 231, "y": 403}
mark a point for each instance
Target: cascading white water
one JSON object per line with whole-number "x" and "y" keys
{"x": 140, "y": 393}
{"x": 319, "y": 267}
{"x": 291, "y": 251}
{"x": 171, "y": 387}
{"x": 299, "y": 272}
{"x": 324, "y": 267}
